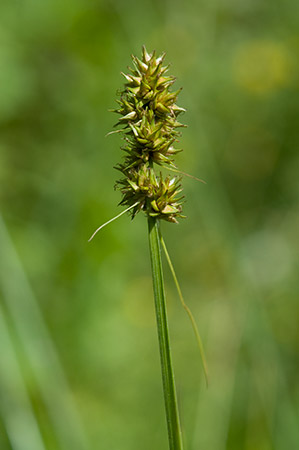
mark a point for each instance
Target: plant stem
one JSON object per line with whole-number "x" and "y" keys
{"x": 171, "y": 407}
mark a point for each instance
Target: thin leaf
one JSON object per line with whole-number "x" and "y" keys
{"x": 187, "y": 309}
{"x": 111, "y": 220}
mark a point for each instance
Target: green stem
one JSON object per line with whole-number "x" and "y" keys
{"x": 172, "y": 414}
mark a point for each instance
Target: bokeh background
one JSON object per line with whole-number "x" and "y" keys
{"x": 79, "y": 364}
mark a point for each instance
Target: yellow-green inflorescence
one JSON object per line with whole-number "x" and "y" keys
{"x": 149, "y": 118}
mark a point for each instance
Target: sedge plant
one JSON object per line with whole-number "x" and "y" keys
{"x": 150, "y": 128}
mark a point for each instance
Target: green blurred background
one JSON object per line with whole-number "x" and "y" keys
{"x": 79, "y": 365}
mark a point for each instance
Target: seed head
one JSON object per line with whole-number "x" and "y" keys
{"x": 149, "y": 120}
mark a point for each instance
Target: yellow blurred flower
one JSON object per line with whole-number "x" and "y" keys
{"x": 261, "y": 67}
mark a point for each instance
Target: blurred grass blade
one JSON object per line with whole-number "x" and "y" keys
{"x": 15, "y": 406}
{"x": 247, "y": 309}
{"x": 38, "y": 347}
{"x": 188, "y": 311}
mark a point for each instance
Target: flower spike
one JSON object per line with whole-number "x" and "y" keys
{"x": 149, "y": 122}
